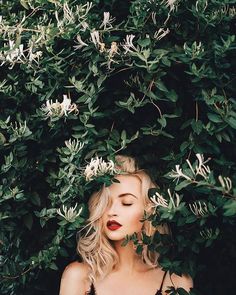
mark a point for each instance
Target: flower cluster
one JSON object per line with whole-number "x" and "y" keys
{"x": 128, "y": 45}
{"x": 17, "y": 54}
{"x": 74, "y": 146}
{"x": 226, "y": 183}
{"x": 160, "y": 201}
{"x": 69, "y": 214}
{"x": 71, "y": 16}
{"x": 199, "y": 169}
{"x": 98, "y": 167}
{"x": 57, "y": 109}
{"x": 172, "y": 4}
{"x": 209, "y": 233}
{"x": 199, "y": 208}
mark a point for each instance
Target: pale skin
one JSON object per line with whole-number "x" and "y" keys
{"x": 132, "y": 275}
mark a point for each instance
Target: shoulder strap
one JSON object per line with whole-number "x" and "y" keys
{"x": 163, "y": 279}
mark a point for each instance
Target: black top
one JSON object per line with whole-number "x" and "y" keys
{"x": 92, "y": 290}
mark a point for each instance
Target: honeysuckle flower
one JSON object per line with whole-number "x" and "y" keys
{"x": 19, "y": 128}
{"x": 209, "y": 233}
{"x": 201, "y": 168}
{"x": 80, "y": 43}
{"x": 161, "y": 33}
{"x": 74, "y": 145}
{"x": 107, "y": 21}
{"x": 128, "y": 45}
{"x": 174, "y": 200}
{"x": 199, "y": 208}
{"x": 113, "y": 50}
{"x": 57, "y": 109}
{"x": 160, "y": 201}
{"x": 153, "y": 14}
{"x": 99, "y": 167}
{"x": 84, "y": 25}
{"x": 68, "y": 13}
{"x": 69, "y": 214}
{"x": 95, "y": 38}
{"x": 13, "y": 55}
{"x": 206, "y": 233}
{"x": 194, "y": 50}
{"x": 171, "y": 4}
{"x": 226, "y": 183}
{"x": 17, "y": 54}
{"x": 176, "y": 174}
{"x": 102, "y": 47}
{"x": 201, "y": 6}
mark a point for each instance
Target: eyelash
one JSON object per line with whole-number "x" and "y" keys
{"x": 127, "y": 204}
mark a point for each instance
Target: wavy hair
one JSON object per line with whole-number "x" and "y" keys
{"x": 94, "y": 247}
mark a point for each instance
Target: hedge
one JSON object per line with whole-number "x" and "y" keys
{"x": 84, "y": 81}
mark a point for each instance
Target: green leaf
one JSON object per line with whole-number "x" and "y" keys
{"x": 182, "y": 184}
{"x": 230, "y": 208}
{"x": 232, "y": 122}
{"x": 28, "y": 221}
{"x": 214, "y": 118}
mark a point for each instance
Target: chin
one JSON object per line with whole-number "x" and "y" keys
{"x": 115, "y": 237}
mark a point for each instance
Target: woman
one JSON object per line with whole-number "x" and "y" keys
{"x": 108, "y": 267}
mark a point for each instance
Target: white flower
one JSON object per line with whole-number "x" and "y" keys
{"x": 74, "y": 146}
{"x": 174, "y": 200}
{"x": 201, "y": 5}
{"x": 170, "y": 3}
{"x": 19, "y": 129}
{"x": 129, "y": 46}
{"x": 57, "y": 109}
{"x": 226, "y": 183}
{"x": 107, "y": 21}
{"x": 160, "y": 201}
{"x": 80, "y": 43}
{"x": 199, "y": 208}
{"x": 99, "y": 167}
{"x": 154, "y": 17}
{"x": 69, "y": 214}
{"x": 176, "y": 174}
{"x": 202, "y": 169}
{"x": 17, "y": 54}
{"x": 95, "y": 38}
{"x": 84, "y": 25}
{"x": 161, "y": 33}
{"x": 113, "y": 50}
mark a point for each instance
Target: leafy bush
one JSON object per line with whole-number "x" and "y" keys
{"x": 154, "y": 79}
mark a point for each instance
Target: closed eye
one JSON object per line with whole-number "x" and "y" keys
{"x": 127, "y": 204}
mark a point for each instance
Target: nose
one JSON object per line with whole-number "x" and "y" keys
{"x": 112, "y": 209}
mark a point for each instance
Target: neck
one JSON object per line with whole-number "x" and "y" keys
{"x": 129, "y": 260}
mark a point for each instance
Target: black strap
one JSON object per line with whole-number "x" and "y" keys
{"x": 159, "y": 292}
{"x": 92, "y": 290}
{"x": 163, "y": 279}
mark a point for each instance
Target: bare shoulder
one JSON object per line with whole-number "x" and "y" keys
{"x": 184, "y": 281}
{"x": 74, "y": 279}
{"x": 76, "y": 270}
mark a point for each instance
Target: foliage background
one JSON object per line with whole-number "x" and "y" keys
{"x": 163, "y": 95}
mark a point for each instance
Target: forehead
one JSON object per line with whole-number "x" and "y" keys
{"x": 127, "y": 184}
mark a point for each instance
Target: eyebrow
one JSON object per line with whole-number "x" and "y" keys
{"x": 125, "y": 194}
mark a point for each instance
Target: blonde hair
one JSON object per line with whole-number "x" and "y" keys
{"x": 94, "y": 247}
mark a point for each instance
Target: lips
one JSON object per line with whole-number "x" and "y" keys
{"x": 113, "y": 225}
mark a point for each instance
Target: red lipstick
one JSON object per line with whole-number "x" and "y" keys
{"x": 113, "y": 225}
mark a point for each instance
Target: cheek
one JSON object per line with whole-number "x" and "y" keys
{"x": 134, "y": 219}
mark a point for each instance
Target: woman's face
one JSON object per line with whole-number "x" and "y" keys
{"x": 125, "y": 210}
